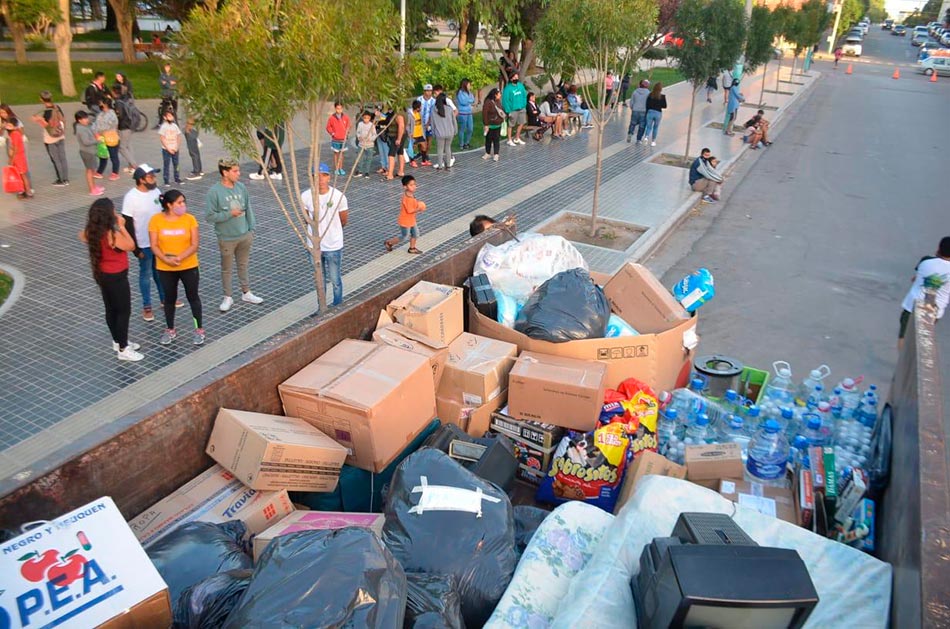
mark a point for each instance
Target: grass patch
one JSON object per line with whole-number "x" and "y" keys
{"x": 97, "y": 36}
{"x": 21, "y": 84}
{"x": 6, "y": 286}
{"x": 666, "y": 76}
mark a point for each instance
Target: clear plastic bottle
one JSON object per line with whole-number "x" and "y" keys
{"x": 867, "y": 414}
{"x": 871, "y": 393}
{"x": 815, "y": 378}
{"x": 850, "y": 397}
{"x": 753, "y": 417}
{"x": 813, "y": 431}
{"x": 815, "y": 397}
{"x": 733, "y": 430}
{"x": 698, "y": 432}
{"x": 768, "y": 456}
{"x": 780, "y": 387}
{"x": 798, "y": 454}
{"x": 790, "y": 424}
{"x": 666, "y": 430}
{"x": 835, "y": 402}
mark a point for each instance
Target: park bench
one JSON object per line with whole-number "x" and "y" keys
{"x": 149, "y": 49}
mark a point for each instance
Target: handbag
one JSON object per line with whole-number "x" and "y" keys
{"x": 504, "y": 127}
{"x": 102, "y": 150}
{"x": 111, "y": 136}
{"x": 12, "y": 183}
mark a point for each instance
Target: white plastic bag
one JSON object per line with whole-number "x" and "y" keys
{"x": 517, "y": 269}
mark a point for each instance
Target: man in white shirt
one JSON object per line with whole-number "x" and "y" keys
{"x": 139, "y": 205}
{"x": 333, "y": 216}
{"x": 931, "y": 272}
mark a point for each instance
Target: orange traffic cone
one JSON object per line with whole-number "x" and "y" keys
{"x": 897, "y": 73}
{"x": 849, "y": 70}
{"x": 933, "y": 77}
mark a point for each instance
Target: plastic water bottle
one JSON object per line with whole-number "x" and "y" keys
{"x": 768, "y": 456}
{"x": 815, "y": 397}
{"x": 666, "y": 430}
{"x": 813, "y": 431}
{"x": 731, "y": 402}
{"x": 733, "y": 431}
{"x": 697, "y": 385}
{"x": 867, "y": 413}
{"x": 688, "y": 404}
{"x": 823, "y": 410}
{"x": 780, "y": 387}
{"x": 835, "y": 402}
{"x": 698, "y": 432}
{"x": 815, "y": 378}
{"x": 798, "y": 454}
{"x": 790, "y": 423}
{"x": 850, "y": 397}
{"x": 871, "y": 393}
{"x": 753, "y": 417}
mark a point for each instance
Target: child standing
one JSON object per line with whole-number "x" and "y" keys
{"x": 338, "y": 126}
{"x": 408, "y": 209}
{"x": 16, "y": 153}
{"x": 170, "y": 135}
{"x": 366, "y": 137}
{"x": 194, "y": 150}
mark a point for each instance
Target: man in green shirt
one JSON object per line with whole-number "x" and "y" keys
{"x": 514, "y": 100}
{"x": 229, "y": 210}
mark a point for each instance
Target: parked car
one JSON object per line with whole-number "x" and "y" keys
{"x": 919, "y": 39}
{"x": 899, "y": 29}
{"x": 852, "y": 47}
{"x": 945, "y": 40}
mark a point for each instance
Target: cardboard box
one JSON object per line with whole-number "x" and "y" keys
{"x": 556, "y": 390}
{"x": 714, "y": 462}
{"x": 660, "y": 356}
{"x": 852, "y": 491}
{"x": 805, "y": 504}
{"x": 476, "y": 370}
{"x": 398, "y": 335}
{"x": 543, "y": 436}
{"x": 864, "y": 515}
{"x": 831, "y": 481}
{"x": 778, "y": 502}
{"x": 214, "y": 496}
{"x": 372, "y": 399}
{"x": 647, "y": 462}
{"x": 474, "y": 420}
{"x": 817, "y": 462}
{"x": 435, "y": 310}
{"x": 317, "y": 521}
{"x": 274, "y": 452}
{"x": 83, "y": 569}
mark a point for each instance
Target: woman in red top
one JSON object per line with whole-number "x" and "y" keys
{"x": 109, "y": 243}
{"x": 16, "y": 153}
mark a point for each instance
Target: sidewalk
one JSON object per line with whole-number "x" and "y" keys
{"x": 62, "y": 379}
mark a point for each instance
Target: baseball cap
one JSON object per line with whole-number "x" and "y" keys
{"x": 143, "y": 170}
{"x": 324, "y": 169}
{"x": 427, "y": 87}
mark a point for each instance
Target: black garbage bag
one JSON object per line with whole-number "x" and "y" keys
{"x": 435, "y": 530}
{"x": 206, "y": 604}
{"x": 527, "y": 521}
{"x": 197, "y": 550}
{"x": 339, "y": 578}
{"x": 567, "y": 307}
{"x": 432, "y": 602}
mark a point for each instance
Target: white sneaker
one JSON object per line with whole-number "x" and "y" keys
{"x": 226, "y": 304}
{"x": 486, "y": 156}
{"x": 451, "y": 162}
{"x": 652, "y": 143}
{"x": 511, "y": 143}
{"x": 256, "y": 176}
{"x": 130, "y": 354}
{"x": 495, "y": 158}
{"x": 251, "y": 298}
{"x": 277, "y": 176}
{"x": 133, "y": 346}
{"x": 437, "y": 166}
{"x": 519, "y": 141}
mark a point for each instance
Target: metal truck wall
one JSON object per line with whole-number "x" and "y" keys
{"x": 914, "y": 523}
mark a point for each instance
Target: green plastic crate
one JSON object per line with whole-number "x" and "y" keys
{"x": 752, "y": 383}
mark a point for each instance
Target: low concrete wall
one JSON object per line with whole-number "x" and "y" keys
{"x": 164, "y": 445}
{"x": 914, "y": 521}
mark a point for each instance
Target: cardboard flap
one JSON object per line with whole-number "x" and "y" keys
{"x": 422, "y": 297}
{"x": 398, "y": 335}
{"x": 328, "y": 367}
{"x": 638, "y": 297}
{"x": 384, "y": 320}
{"x": 572, "y": 371}
{"x": 479, "y": 354}
{"x": 373, "y": 377}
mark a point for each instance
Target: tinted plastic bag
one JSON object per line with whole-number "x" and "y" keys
{"x": 340, "y": 578}
{"x": 207, "y": 604}
{"x": 518, "y": 267}
{"x": 197, "y": 550}
{"x": 432, "y": 601}
{"x": 527, "y": 521}
{"x": 568, "y": 307}
{"x": 437, "y": 529}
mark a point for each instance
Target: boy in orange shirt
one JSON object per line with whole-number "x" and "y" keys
{"x": 408, "y": 209}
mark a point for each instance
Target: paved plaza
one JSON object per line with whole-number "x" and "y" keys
{"x": 61, "y": 378}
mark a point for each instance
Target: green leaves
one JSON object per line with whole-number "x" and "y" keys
{"x": 449, "y": 68}
{"x": 713, "y": 33}
{"x": 758, "y": 46}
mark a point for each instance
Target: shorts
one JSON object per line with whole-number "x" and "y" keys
{"x": 395, "y": 148}
{"x": 905, "y": 317}
{"x": 89, "y": 160}
{"x": 517, "y": 117}
{"x": 338, "y": 146}
{"x": 408, "y": 232}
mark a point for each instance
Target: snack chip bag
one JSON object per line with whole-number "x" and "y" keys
{"x": 634, "y": 406}
{"x": 588, "y": 467}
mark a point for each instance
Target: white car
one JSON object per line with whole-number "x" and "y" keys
{"x": 852, "y": 47}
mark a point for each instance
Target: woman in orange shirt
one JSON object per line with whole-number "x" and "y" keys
{"x": 174, "y": 238}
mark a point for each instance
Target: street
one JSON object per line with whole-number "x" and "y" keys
{"x": 814, "y": 250}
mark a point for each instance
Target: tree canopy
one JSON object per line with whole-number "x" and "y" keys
{"x": 758, "y": 46}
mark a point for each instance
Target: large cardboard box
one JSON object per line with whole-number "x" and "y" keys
{"x": 83, "y": 569}
{"x": 398, "y": 335}
{"x": 647, "y": 462}
{"x": 707, "y": 464}
{"x": 476, "y": 371}
{"x": 660, "y": 356}
{"x": 213, "y": 496}
{"x": 274, "y": 452}
{"x": 474, "y": 420}
{"x": 556, "y": 390}
{"x": 435, "y": 310}
{"x": 372, "y": 399}
{"x": 778, "y": 502}
{"x": 317, "y": 521}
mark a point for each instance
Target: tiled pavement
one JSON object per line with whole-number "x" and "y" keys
{"x": 59, "y": 376}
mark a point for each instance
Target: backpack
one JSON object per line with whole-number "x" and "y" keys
{"x": 122, "y": 113}
{"x": 56, "y": 127}
{"x": 135, "y": 116}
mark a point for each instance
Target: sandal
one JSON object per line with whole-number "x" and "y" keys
{"x": 414, "y": 250}
{"x": 388, "y": 246}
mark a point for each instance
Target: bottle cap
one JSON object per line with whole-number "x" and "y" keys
{"x": 815, "y": 374}
{"x": 702, "y": 420}
{"x": 784, "y": 373}
{"x": 847, "y": 384}
{"x": 800, "y": 442}
{"x": 731, "y": 394}
{"x": 787, "y": 413}
{"x": 771, "y": 426}
{"x": 753, "y": 411}
{"x": 735, "y": 422}
{"x": 824, "y": 407}
{"x": 814, "y": 423}
{"x": 671, "y": 413}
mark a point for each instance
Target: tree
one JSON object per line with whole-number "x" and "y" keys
{"x": 125, "y": 19}
{"x": 782, "y": 17}
{"x": 599, "y": 35}
{"x": 255, "y": 63}
{"x": 24, "y": 15}
{"x": 758, "y": 45}
{"x": 449, "y": 68}
{"x": 713, "y": 33}
{"x": 63, "y": 39}
{"x": 807, "y": 25}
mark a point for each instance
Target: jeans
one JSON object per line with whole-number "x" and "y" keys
{"x": 443, "y": 155}
{"x": 147, "y": 271}
{"x": 332, "y": 262}
{"x": 365, "y": 162}
{"x": 466, "y": 127}
{"x": 57, "y": 155}
{"x": 195, "y": 160}
{"x": 125, "y": 148}
{"x": 114, "y": 156}
{"x": 653, "y": 123}
{"x": 231, "y": 250}
{"x": 383, "y": 147}
{"x": 638, "y": 121}
{"x": 167, "y": 160}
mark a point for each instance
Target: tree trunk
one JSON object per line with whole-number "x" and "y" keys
{"x": 689, "y": 125}
{"x": 778, "y": 73}
{"x": 794, "y": 60}
{"x": 762, "y": 92}
{"x": 514, "y": 44}
{"x": 62, "y": 38}
{"x": 17, "y": 33}
{"x": 111, "y": 23}
{"x": 124, "y": 16}
{"x": 471, "y": 32}
{"x": 95, "y": 10}
{"x": 598, "y": 172}
{"x": 463, "y": 30}
{"x": 527, "y": 57}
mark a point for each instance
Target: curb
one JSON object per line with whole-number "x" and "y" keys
{"x": 19, "y": 281}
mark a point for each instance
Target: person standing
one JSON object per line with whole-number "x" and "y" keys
{"x": 108, "y": 244}
{"x": 427, "y": 104}
{"x": 418, "y": 151}
{"x": 106, "y": 127}
{"x": 838, "y": 54}
{"x": 608, "y": 88}
{"x": 139, "y": 205}
{"x": 514, "y": 101}
{"x": 396, "y": 136}
{"x": 656, "y": 103}
{"x": 464, "y": 100}
{"x": 493, "y": 116}
{"x": 174, "y": 237}
{"x": 125, "y": 128}
{"x": 444, "y": 128}
{"x": 169, "y": 91}
{"x": 624, "y": 88}
{"x": 54, "y": 136}
{"x": 95, "y": 92}
{"x": 16, "y": 156}
{"x": 170, "y": 135}
{"x": 931, "y": 272}
{"x": 88, "y": 145}
{"x": 732, "y": 108}
{"x": 638, "y": 111}
{"x": 727, "y": 80}
{"x": 229, "y": 210}
{"x": 711, "y": 86}
{"x": 333, "y": 216}
{"x": 338, "y": 126}
{"x": 194, "y": 150}
{"x": 366, "y": 139}
{"x": 382, "y": 128}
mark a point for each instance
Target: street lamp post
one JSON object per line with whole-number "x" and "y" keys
{"x": 834, "y": 29}
{"x": 402, "y": 29}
